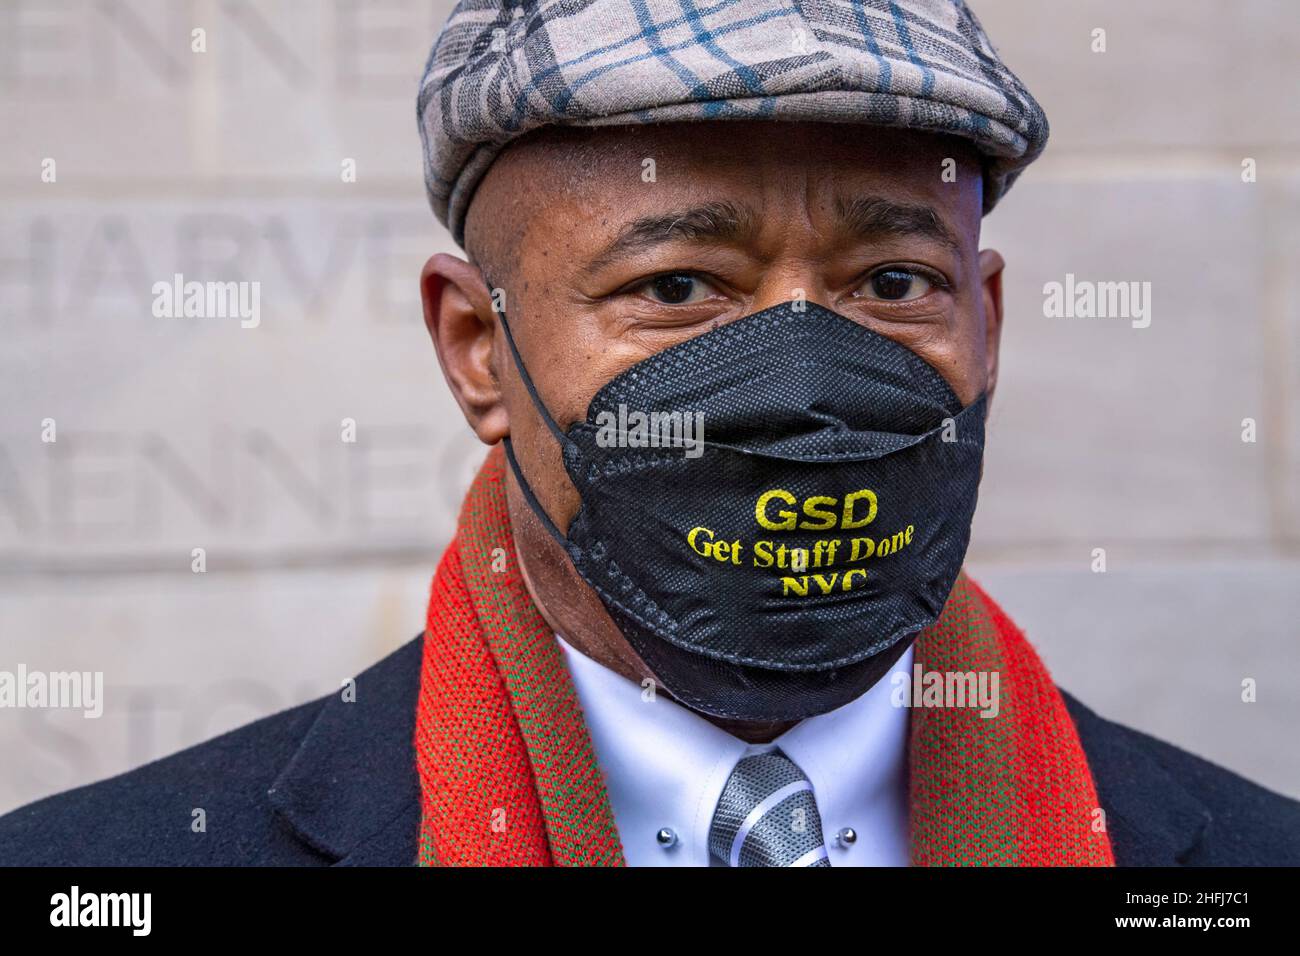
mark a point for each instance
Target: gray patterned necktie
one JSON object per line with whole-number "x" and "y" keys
{"x": 767, "y": 816}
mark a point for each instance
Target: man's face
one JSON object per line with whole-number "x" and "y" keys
{"x": 614, "y": 244}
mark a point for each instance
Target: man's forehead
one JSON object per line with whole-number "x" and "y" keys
{"x": 723, "y": 179}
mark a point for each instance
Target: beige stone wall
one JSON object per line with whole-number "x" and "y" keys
{"x": 176, "y": 435}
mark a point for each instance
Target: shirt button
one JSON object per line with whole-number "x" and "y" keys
{"x": 846, "y": 838}
{"x": 666, "y": 838}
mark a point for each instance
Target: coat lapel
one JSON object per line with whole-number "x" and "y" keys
{"x": 350, "y": 790}
{"x": 1152, "y": 819}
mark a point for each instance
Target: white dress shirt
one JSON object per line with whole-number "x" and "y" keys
{"x": 665, "y": 767}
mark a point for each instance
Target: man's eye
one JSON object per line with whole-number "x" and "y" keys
{"x": 677, "y": 288}
{"x": 897, "y": 285}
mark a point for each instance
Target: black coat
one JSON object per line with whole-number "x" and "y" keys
{"x": 332, "y": 783}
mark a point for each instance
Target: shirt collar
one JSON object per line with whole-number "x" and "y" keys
{"x": 665, "y": 767}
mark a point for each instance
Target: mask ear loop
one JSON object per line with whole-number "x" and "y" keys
{"x": 558, "y": 432}
{"x": 532, "y": 498}
{"x": 563, "y": 439}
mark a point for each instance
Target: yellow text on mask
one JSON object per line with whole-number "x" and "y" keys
{"x": 703, "y": 542}
{"x": 825, "y": 583}
{"x": 822, "y": 512}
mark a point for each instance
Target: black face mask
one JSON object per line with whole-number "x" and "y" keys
{"x": 777, "y": 570}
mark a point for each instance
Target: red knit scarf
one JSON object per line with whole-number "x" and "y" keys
{"x": 508, "y": 776}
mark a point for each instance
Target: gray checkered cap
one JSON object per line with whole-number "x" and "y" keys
{"x": 500, "y": 69}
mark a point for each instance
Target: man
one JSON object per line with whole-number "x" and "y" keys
{"x": 726, "y": 324}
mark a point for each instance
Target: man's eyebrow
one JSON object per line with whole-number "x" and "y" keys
{"x": 872, "y": 217}
{"x": 717, "y": 222}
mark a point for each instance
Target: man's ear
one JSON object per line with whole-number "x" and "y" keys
{"x": 458, "y": 313}
{"x": 991, "y": 266}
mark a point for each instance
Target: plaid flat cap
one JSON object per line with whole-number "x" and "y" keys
{"x": 500, "y": 69}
